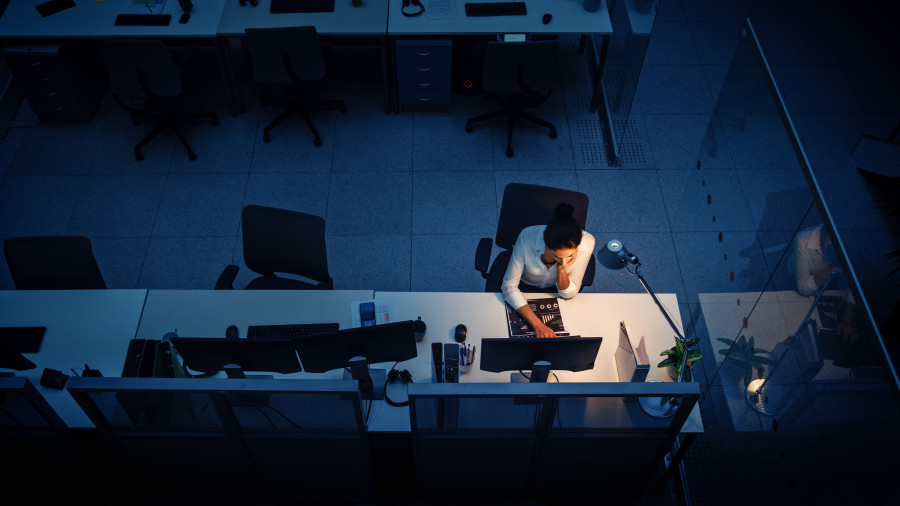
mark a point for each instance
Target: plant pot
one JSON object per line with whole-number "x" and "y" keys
{"x": 670, "y": 370}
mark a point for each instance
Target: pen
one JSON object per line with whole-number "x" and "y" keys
{"x": 473, "y": 354}
{"x": 462, "y": 355}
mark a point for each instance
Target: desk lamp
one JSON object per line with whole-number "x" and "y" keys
{"x": 756, "y": 389}
{"x": 615, "y": 256}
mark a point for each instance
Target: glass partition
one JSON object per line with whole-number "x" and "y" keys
{"x": 799, "y": 398}
{"x": 620, "y": 57}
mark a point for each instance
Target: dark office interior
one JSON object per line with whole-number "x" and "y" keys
{"x": 699, "y": 172}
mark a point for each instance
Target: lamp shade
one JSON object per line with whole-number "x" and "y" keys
{"x": 612, "y": 256}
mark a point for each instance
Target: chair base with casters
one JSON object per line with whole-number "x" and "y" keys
{"x": 165, "y": 117}
{"x": 510, "y": 109}
{"x": 303, "y": 107}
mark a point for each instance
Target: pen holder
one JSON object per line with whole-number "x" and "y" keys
{"x": 464, "y": 369}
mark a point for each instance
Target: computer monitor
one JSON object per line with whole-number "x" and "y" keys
{"x": 388, "y": 342}
{"x": 520, "y": 354}
{"x": 209, "y": 355}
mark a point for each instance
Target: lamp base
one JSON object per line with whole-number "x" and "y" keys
{"x": 658, "y": 407}
{"x": 762, "y": 402}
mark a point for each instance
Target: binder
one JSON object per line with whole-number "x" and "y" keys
{"x": 631, "y": 359}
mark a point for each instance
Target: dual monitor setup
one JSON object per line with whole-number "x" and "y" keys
{"x": 355, "y": 348}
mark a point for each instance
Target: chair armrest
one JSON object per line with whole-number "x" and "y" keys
{"x": 483, "y": 256}
{"x": 226, "y": 279}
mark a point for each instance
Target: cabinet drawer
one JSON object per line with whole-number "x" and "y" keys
{"x": 418, "y": 69}
{"x": 423, "y": 84}
{"x": 417, "y": 50}
{"x": 425, "y": 98}
{"x": 67, "y": 110}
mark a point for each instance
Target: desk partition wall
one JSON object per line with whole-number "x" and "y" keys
{"x": 227, "y": 438}
{"x": 554, "y": 438}
{"x": 793, "y": 399}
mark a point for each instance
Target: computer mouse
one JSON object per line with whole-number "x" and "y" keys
{"x": 460, "y": 333}
{"x": 231, "y": 332}
{"x": 547, "y": 17}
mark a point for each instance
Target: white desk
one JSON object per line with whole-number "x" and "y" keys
{"x": 207, "y": 313}
{"x": 484, "y": 314}
{"x": 569, "y": 16}
{"x": 83, "y": 327}
{"x": 90, "y": 19}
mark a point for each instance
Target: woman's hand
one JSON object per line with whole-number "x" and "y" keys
{"x": 541, "y": 330}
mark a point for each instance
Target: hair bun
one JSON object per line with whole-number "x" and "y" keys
{"x": 563, "y": 210}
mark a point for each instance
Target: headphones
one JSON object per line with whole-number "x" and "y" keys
{"x": 416, "y": 3}
{"x": 392, "y": 375}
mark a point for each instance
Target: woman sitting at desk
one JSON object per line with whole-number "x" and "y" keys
{"x": 545, "y": 255}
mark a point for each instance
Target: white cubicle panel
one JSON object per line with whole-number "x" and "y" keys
{"x": 207, "y": 313}
{"x": 568, "y": 16}
{"x": 97, "y": 19}
{"x": 370, "y": 18}
{"x": 90, "y": 327}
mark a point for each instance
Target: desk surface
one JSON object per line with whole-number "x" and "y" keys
{"x": 569, "y": 16}
{"x": 370, "y": 18}
{"x": 90, "y": 19}
{"x": 83, "y": 327}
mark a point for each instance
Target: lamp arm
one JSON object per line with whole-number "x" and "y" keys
{"x": 660, "y": 306}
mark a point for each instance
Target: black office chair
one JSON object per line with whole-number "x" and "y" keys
{"x": 525, "y": 205}
{"x": 145, "y": 81}
{"x": 285, "y": 62}
{"x": 518, "y": 75}
{"x": 278, "y": 240}
{"x": 52, "y": 263}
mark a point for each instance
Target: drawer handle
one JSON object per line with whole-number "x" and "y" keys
{"x": 58, "y": 108}
{"x": 34, "y": 63}
{"x": 50, "y": 94}
{"x": 420, "y": 99}
{"x": 42, "y": 79}
{"x": 423, "y": 69}
{"x": 424, "y": 85}
{"x": 423, "y": 54}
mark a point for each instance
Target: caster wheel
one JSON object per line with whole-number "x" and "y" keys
{"x": 192, "y": 156}
{"x": 215, "y": 121}
{"x": 267, "y": 138}
{"x": 138, "y": 156}
{"x": 509, "y": 152}
{"x": 317, "y": 142}
{"x": 553, "y": 134}
{"x": 343, "y": 109}
{"x": 469, "y": 127}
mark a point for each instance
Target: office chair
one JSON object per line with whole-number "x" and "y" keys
{"x": 145, "y": 81}
{"x": 52, "y": 263}
{"x": 285, "y": 61}
{"x": 518, "y": 75}
{"x": 525, "y": 205}
{"x": 278, "y": 240}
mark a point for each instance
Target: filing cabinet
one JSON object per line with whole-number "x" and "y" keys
{"x": 423, "y": 74}
{"x": 61, "y": 82}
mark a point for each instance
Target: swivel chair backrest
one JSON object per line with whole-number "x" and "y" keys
{"x": 285, "y": 55}
{"x": 52, "y": 263}
{"x": 520, "y": 67}
{"x": 525, "y": 205}
{"x": 139, "y": 68}
{"x": 278, "y": 240}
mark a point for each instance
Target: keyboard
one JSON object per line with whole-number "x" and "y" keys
{"x": 291, "y": 331}
{"x": 23, "y": 339}
{"x": 293, "y": 6}
{"x": 496, "y": 9}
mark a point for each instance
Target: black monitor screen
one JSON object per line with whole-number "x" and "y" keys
{"x": 389, "y": 342}
{"x": 519, "y": 354}
{"x": 208, "y": 354}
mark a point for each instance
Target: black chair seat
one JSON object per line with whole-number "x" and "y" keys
{"x": 276, "y": 283}
{"x": 52, "y": 263}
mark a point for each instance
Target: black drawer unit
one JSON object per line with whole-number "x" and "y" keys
{"x": 60, "y": 82}
{"x": 423, "y": 74}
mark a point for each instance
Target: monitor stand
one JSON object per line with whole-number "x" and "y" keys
{"x": 540, "y": 372}
{"x": 371, "y": 381}
{"x": 234, "y": 371}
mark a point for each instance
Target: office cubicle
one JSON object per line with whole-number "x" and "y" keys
{"x": 549, "y": 439}
{"x": 230, "y": 438}
{"x": 796, "y": 381}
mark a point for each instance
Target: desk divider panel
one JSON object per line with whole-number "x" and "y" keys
{"x": 226, "y": 438}
{"x": 557, "y": 439}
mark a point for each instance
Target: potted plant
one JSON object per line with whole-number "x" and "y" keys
{"x": 676, "y": 358}
{"x": 745, "y": 353}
